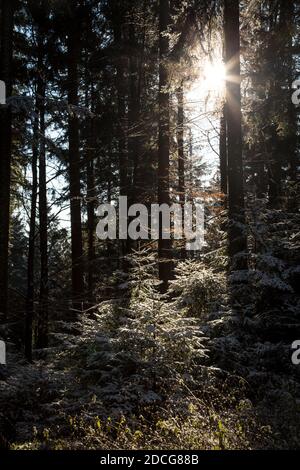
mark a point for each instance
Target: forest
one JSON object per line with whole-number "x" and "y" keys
{"x": 130, "y": 336}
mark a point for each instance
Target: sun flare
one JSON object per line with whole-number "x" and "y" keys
{"x": 209, "y": 83}
{"x": 214, "y": 76}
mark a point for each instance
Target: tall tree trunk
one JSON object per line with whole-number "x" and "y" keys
{"x": 5, "y": 148}
{"x": 122, "y": 124}
{"x": 122, "y": 120}
{"x": 181, "y": 155}
{"x": 91, "y": 200}
{"x": 164, "y": 246}
{"x": 236, "y": 235}
{"x": 286, "y": 75}
{"x": 74, "y": 164}
{"x": 275, "y": 157}
{"x": 91, "y": 193}
{"x": 134, "y": 140}
{"x": 274, "y": 146}
{"x": 180, "y": 145}
{"x": 223, "y": 150}
{"x": 136, "y": 84}
{"x": 135, "y": 183}
{"x": 282, "y": 144}
{"x": 31, "y": 247}
{"x": 287, "y": 23}
{"x": 42, "y": 324}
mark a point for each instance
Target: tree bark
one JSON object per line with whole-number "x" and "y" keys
{"x": 91, "y": 205}
{"x": 181, "y": 155}
{"x": 282, "y": 144}
{"x": 180, "y": 146}
{"x": 287, "y": 24}
{"x": 74, "y": 164}
{"x": 134, "y": 140}
{"x": 122, "y": 124}
{"x": 31, "y": 247}
{"x": 5, "y": 148}
{"x": 236, "y": 235}
{"x": 223, "y": 151}
{"x": 164, "y": 246}
{"x": 42, "y": 323}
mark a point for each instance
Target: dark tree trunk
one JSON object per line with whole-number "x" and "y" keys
{"x": 134, "y": 140}
{"x": 74, "y": 165}
{"x": 164, "y": 246}
{"x": 287, "y": 25}
{"x": 236, "y": 235}
{"x": 91, "y": 206}
{"x": 42, "y": 324}
{"x": 181, "y": 154}
{"x": 137, "y": 180}
{"x": 274, "y": 146}
{"x": 121, "y": 86}
{"x": 5, "y": 148}
{"x": 282, "y": 144}
{"x": 122, "y": 124}
{"x": 90, "y": 99}
{"x": 31, "y": 248}
{"x": 180, "y": 144}
{"x": 223, "y": 151}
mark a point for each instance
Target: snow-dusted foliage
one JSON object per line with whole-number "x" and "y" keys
{"x": 144, "y": 342}
{"x": 199, "y": 287}
{"x": 202, "y": 366}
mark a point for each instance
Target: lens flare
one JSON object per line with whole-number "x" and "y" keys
{"x": 214, "y": 75}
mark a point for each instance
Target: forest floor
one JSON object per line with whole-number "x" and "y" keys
{"x": 207, "y": 366}
{"x": 80, "y": 396}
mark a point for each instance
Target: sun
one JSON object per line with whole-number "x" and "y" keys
{"x": 209, "y": 83}
{"x": 214, "y": 76}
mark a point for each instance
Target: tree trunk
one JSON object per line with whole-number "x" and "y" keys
{"x": 287, "y": 25}
{"x": 181, "y": 155}
{"x": 282, "y": 144}
{"x": 164, "y": 246}
{"x": 223, "y": 151}
{"x": 5, "y": 149}
{"x": 31, "y": 248}
{"x": 274, "y": 146}
{"x": 180, "y": 145}
{"x": 134, "y": 140}
{"x": 122, "y": 118}
{"x": 42, "y": 324}
{"x": 91, "y": 192}
{"x": 122, "y": 124}
{"x": 74, "y": 165}
{"x": 236, "y": 235}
